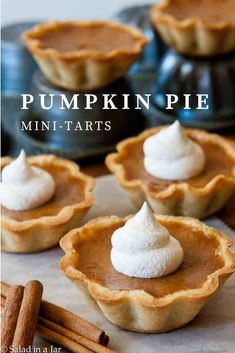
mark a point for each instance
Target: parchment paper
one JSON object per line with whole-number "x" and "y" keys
{"x": 213, "y": 330}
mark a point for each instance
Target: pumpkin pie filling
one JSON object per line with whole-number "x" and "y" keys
{"x": 210, "y": 11}
{"x": 200, "y": 260}
{"x": 71, "y": 38}
{"x": 64, "y": 195}
{"x": 217, "y": 163}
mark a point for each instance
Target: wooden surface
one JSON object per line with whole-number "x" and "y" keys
{"x": 96, "y": 168}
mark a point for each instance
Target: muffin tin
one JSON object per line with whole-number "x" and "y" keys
{"x": 177, "y": 74}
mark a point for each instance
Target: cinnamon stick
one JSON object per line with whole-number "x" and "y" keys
{"x": 28, "y": 315}
{"x": 67, "y": 319}
{"x": 4, "y": 288}
{"x": 3, "y": 301}
{"x": 58, "y": 335}
{"x": 57, "y": 338}
{"x": 71, "y": 321}
{"x": 93, "y": 346}
{"x": 12, "y": 308}
{"x": 61, "y": 340}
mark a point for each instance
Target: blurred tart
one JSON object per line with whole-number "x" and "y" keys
{"x": 85, "y": 55}
{"x": 42, "y": 227}
{"x": 148, "y": 305}
{"x": 198, "y": 28}
{"x": 198, "y": 196}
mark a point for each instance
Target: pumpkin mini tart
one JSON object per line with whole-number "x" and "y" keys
{"x": 84, "y": 55}
{"x": 197, "y": 28}
{"x": 148, "y": 305}
{"x": 42, "y": 227}
{"x": 197, "y": 197}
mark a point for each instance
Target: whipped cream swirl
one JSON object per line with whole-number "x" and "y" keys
{"x": 23, "y": 186}
{"x": 171, "y": 155}
{"x": 144, "y": 248}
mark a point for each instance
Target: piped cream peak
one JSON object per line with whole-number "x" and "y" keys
{"x": 144, "y": 248}
{"x": 170, "y": 154}
{"x": 24, "y": 186}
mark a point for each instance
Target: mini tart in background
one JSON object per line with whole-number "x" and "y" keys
{"x": 42, "y": 227}
{"x": 148, "y": 305}
{"x": 198, "y": 197}
{"x": 87, "y": 55}
{"x": 197, "y": 28}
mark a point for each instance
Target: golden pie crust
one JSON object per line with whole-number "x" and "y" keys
{"x": 42, "y": 227}
{"x": 84, "y": 55}
{"x": 137, "y": 309}
{"x": 198, "y": 197}
{"x": 197, "y": 28}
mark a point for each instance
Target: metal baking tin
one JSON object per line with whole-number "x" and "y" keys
{"x": 163, "y": 71}
{"x": 17, "y": 65}
{"x": 215, "y": 77}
